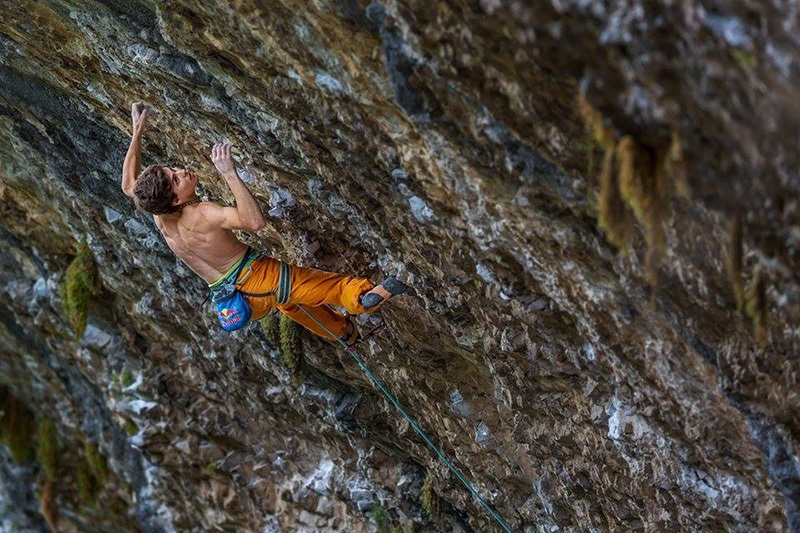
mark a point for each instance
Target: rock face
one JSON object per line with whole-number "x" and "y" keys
{"x": 580, "y": 387}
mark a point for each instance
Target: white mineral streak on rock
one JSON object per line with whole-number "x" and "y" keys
{"x": 149, "y": 501}
{"x": 134, "y": 406}
{"x": 624, "y": 423}
{"x": 326, "y": 81}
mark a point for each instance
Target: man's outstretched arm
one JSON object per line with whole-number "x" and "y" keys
{"x": 247, "y": 214}
{"x": 130, "y": 169}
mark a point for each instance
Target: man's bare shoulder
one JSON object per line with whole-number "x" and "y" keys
{"x": 214, "y": 215}
{"x": 207, "y": 205}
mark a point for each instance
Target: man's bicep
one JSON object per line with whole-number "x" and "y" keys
{"x": 222, "y": 217}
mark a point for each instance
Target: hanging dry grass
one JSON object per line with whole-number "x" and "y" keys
{"x": 756, "y": 305}
{"x": 733, "y": 264}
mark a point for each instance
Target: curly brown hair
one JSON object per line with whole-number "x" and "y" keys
{"x": 153, "y": 191}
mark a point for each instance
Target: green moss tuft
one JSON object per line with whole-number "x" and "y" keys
{"x": 81, "y": 282}
{"x": 745, "y": 58}
{"x": 88, "y": 489}
{"x": 636, "y": 181}
{"x": 92, "y": 474}
{"x": 381, "y": 518}
{"x": 271, "y": 328}
{"x": 47, "y": 505}
{"x": 47, "y": 451}
{"x": 130, "y": 428}
{"x": 16, "y": 426}
{"x": 291, "y": 348}
{"x": 126, "y": 378}
{"x": 211, "y": 470}
{"x": 97, "y": 463}
{"x": 430, "y": 500}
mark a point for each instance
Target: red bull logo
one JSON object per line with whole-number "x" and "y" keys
{"x": 230, "y": 316}
{"x": 225, "y": 313}
{"x": 233, "y": 313}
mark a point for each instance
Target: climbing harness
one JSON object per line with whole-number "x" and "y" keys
{"x": 413, "y": 424}
{"x": 233, "y": 310}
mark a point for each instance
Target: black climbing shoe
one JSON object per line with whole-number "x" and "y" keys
{"x": 393, "y": 285}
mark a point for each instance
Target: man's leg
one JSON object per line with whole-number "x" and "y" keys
{"x": 316, "y": 288}
{"x": 336, "y": 322}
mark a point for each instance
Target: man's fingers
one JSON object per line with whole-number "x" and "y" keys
{"x": 220, "y": 151}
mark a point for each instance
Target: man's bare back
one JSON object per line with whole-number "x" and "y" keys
{"x": 210, "y": 252}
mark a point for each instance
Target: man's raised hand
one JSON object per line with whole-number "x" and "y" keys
{"x": 139, "y": 114}
{"x": 221, "y": 156}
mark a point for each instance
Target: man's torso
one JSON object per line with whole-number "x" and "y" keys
{"x": 209, "y": 252}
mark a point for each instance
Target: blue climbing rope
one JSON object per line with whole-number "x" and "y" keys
{"x": 414, "y": 424}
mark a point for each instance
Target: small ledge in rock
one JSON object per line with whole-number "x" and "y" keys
{"x": 399, "y": 174}
{"x": 458, "y": 405}
{"x": 482, "y": 434}
{"x": 326, "y": 81}
{"x": 135, "y": 227}
{"x": 589, "y": 351}
{"x": 112, "y": 215}
{"x": 420, "y": 210}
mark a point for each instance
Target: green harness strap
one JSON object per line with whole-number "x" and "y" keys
{"x": 413, "y": 423}
{"x": 281, "y": 292}
{"x": 284, "y": 284}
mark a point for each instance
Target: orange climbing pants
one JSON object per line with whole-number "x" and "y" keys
{"x": 311, "y": 288}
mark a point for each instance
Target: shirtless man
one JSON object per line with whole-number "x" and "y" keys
{"x": 200, "y": 234}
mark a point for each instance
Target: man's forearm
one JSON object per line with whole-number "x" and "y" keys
{"x": 130, "y": 169}
{"x": 249, "y": 211}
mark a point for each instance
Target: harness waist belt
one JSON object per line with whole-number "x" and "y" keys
{"x": 282, "y": 291}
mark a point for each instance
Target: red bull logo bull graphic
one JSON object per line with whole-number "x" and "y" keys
{"x": 225, "y": 313}
{"x": 230, "y": 316}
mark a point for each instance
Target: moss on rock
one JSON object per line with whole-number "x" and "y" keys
{"x": 126, "y": 378}
{"x": 430, "y": 500}
{"x": 756, "y": 305}
{"x": 638, "y": 179}
{"x": 130, "y": 428}
{"x": 96, "y": 462}
{"x": 614, "y": 217}
{"x": 91, "y": 474}
{"x": 291, "y": 348}
{"x": 733, "y": 263}
{"x": 81, "y": 282}
{"x": 17, "y": 425}
{"x": 47, "y": 450}
{"x": 271, "y": 328}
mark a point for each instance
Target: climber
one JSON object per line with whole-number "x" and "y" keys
{"x": 200, "y": 234}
